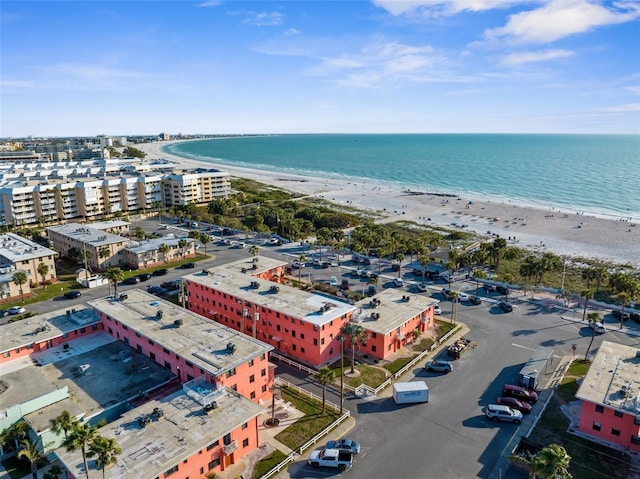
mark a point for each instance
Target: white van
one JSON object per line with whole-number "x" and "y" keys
{"x": 497, "y": 412}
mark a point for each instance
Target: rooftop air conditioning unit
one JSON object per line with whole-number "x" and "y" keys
{"x": 231, "y": 348}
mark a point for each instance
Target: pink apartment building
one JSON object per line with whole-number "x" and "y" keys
{"x": 610, "y": 395}
{"x": 302, "y": 325}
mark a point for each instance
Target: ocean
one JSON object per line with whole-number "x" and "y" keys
{"x": 594, "y": 174}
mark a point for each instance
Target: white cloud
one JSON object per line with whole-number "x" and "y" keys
{"x": 291, "y": 32}
{"x": 561, "y": 18}
{"x": 530, "y": 57}
{"x": 211, "y": 3}
{"x": 382, "y": 65}
{"x": 263, "y": 19}
{"x": 443, "y": 7}
{"x": 623, "y": 108}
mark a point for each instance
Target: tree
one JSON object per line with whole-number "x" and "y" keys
{"x": 587, "y": 294}
{"x": 302, "y": 259}
{"x": 205, "y": 239}
{"x": 79, "y": 438}
{"x": 423, "y": 259}
{"x": 454, "y": 305}
{"x": 357, "y": 335}
{"x": 478, "y": 275}
{"x": 139, "y": 232}
{"x": 42, "y": 270}
{"x": 182, "y": 244}
{"x": 254, "y": 250}
{"x": 104, "y": 252}
{"x": 31, "y": 453}
{"x": 105, "y": 450}
{"x": 623, "y": 299}
{"x": 553, "y": 462}
{"x": 164, "y": 249}
{"x": 20, "y": 278}
{"x": 325, "y": 376}
{"x": 62, "y": 423}
{"x": 592, "y": 318}
{"x": 114, "y": 275}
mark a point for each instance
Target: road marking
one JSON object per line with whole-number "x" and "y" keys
{"x": 523, "y": 347}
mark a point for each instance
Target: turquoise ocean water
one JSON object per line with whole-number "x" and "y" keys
{"x": 595, "y": 174}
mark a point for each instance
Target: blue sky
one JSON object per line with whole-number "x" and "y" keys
{"x": 118, "y": 67}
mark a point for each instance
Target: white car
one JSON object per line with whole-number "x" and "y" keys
{"x": 436, "y": 309}
{"x": 598, "y": 327}
{"x": 398, "y": 282}
{"x": 298, "y": 264}
{"x": 16, "y": 310}
{"x": 462, "y": 296}
{"x": 422, "y": 288}
{"x": 333, "y": 281}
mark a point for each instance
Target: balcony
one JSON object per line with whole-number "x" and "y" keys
{"x": 229, "y": 448}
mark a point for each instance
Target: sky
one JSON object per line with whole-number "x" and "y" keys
{"x": 78, "y": 68}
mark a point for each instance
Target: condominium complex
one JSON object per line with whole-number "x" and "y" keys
{"x": 303, "y": 325}
{"x": 41, "y": 192}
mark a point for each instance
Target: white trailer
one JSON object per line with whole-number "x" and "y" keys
{"x": 411, "y": 392}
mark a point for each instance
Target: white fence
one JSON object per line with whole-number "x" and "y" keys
{"x": 292, "y": 455}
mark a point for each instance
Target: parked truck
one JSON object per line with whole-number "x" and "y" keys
{"x": 456, "y": 349}
{"x": 411, "y": 392}
{"x": 324, "y": 457}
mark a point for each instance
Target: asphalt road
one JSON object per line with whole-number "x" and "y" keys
{"x": 450, "y": 437}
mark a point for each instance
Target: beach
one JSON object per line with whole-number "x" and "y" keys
{"x": 565, "y": 233}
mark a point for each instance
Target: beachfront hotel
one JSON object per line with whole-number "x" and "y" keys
{"x": 181, "y": 394}
{"x": 610, "y": 395}
{"x": 33, "y": 192}
{"x": 302, "y": 325}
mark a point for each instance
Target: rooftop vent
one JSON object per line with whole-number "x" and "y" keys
{"x": 274, "y": 289}
{"x": 375, "y": 316}
{"x": 231, "y": 348}
{"x": 254, "y": 285}
{"x": 159, "y": 314}
{"x": 177, "y": 323}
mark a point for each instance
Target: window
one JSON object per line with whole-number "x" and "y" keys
{"x": 215, "y": 463}
{"x": 301, "y": 335}
{"x": 615, "y": 432}
{"x": 167, "y": 365}
{"x": 635, "y": 440}
{"x": 171, "y": 471}
{"x": 264, "y": 388}
{"x": 245, "y": 425}
{"x": 166, "y": 351}
{"x": 251, "y": 363}
{"x": 252, "y": 395}
{"x": 245, "y": 442}
{"x": 373, "y": 348}
{"x": 263, "y": 373}
{"x": 212, "y": 445}
{"x": 151, "y": 342}
{"x": 231, "y": 372}
{"x": 597, "y": 426}
{"x": 636, "y": 421}
{"x": 315, "y": 341}
{"x": 599, "y": 408}
{"x": 137, "y": 334}
{"x": 618, "y": 413}
{"x": 252, "y": 379}
{"x": 226, "y": 439}
{"x": 152, "y": 356}
{"x": 374, "y": 335}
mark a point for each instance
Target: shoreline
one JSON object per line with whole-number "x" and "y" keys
{"x": 560, "y": 231}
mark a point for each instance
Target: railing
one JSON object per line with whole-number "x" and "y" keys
{"x": 292, "y": 455}
{"x": 288, "y": 361}
{"x": 229, "y": 448}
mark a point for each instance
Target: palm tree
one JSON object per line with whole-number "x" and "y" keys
{"x": 324, "y": 376}
{"x": 164, "y": 249}
{"x": 302, "y": 260}
{"x": 42, "y": 270}
{"x": 357, "y": 335}
{"x": 182, "y": 244}
{"x": 114, "y": 275}
{"x": 105, "y": 450}
{"x": 139, "y": 232}
{"x": 624, "y": 299}
{"x": 254, "y": 250}
{"x": 553, "y": 462}
{"x": 31, "y": 453}
{"x": 205, "y": 239}
{"x": 454, "y": 305}
{"x": 20, "y": 278}
{"x": 423, "y": 259}
{"x": 80, "y": 436}
{"x": 478, "y": 275}
{"x": 587, "y": 294}
{"x": 62, "y": 423}
{"x": 592, "y": 318}
{"x": 104, "y": 252}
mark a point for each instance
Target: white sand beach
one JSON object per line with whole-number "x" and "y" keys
{"x": 561, "y": 232}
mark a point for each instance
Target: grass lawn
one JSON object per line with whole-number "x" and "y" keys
{"x": 395, "y": 366}
{"x": 443, "y": 327}
{"x": 312, "y": 423}
{"x": 16, "y": 468}
{"x": 426, "y": 343}
{"x": 265, "y": 465}
{"x": 372, "y": 376}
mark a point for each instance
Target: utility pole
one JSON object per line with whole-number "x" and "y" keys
{"x": 182, "y": 300}
{"x": 341, "y": 339}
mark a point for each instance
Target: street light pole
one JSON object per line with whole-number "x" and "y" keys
{"x": 341, "y": 339}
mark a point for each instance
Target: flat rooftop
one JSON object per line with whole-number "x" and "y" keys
{"x": 15, "y": 248}
{"x": 108, "y": 362}
{"x": 198, "y": 340}
{"x": 287, "y": 300}
{"x": 395, "y": 308}
{"x": 105, "y": 225}
{"x": 87, "y": 234}
{"x": 153, "y": 244}
{"x": 251, "y": 265}
{"x": 183, "y": 428}
{"x": 44, "y": 326}
{"x": 613, "y": 380}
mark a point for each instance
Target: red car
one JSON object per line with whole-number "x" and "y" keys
{"x": 513, "y": 403}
